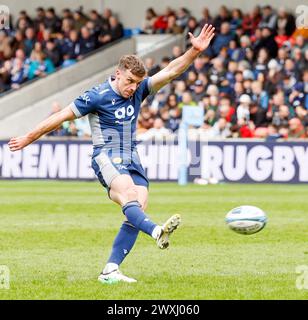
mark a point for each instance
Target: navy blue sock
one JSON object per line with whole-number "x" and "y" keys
{"x": 123, "y": 243}
{"x": 137, "y": 218}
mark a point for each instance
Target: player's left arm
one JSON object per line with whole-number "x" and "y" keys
{"x": 180, "y": 64}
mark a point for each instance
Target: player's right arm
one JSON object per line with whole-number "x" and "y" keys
{"x": 80, "y": 107}
{"x": 48, "y": 125}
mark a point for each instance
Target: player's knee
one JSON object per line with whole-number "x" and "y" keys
{"x": 143, "y": 204}
{"x": 131, "y": 194}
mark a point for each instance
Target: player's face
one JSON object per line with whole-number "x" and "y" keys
{"x": 127, "y": 83}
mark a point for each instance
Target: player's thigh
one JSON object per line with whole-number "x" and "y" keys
{"x": 143, "y": 194}
{"x": 123, "y": 190}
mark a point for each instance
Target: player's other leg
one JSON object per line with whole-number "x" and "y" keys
{"x": 122, "y": 245}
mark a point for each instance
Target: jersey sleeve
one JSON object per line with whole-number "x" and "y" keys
{"x": 85, "y": 103}
{"x": 145, "y": 88}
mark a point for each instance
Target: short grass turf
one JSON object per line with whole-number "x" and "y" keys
{"x": 56, "y": 236}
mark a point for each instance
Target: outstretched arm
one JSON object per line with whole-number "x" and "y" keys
{"x": 50, "y": 124}
{"x": 180, "y": 64}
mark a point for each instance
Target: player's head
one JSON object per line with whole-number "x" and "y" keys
{"x": 129, "y": 74}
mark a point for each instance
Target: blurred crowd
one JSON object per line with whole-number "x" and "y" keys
{"x": 251, "y": 82}
{"x": 37, "y": 46}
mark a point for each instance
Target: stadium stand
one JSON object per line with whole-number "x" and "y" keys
{"x": 36, "y": 46}
{"x": 252, "y": 82}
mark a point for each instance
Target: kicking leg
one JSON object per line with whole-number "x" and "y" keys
{"x": 133, "y": 199}
{"x": 124, "y": 192}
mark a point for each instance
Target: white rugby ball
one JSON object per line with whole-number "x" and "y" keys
{"x": 246, "y": 219}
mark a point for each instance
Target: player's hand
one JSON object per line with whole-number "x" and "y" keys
{"x": 19, "y": 143}
{"x": 203, "y": 40}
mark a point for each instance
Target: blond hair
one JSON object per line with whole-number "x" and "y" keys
{"x": 132, "y": 63}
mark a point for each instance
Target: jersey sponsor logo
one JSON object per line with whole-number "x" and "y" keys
{"x": 122, "y": 113}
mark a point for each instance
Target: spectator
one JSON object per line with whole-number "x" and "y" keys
{"x": 53, "y": 53}
{"x": 23, "y": 21}
{"x": 179, "y": 88}
{"x": 5, "y": 76}
{"x": 251, "y": 21}
{"x": 116, "y": 28}
{"x": 245, "y": 130}
{"x": 223, "y": 16}
{"x": 107, "y": 13}
{"x": 40, "y": 17}
{"x": 210, "y": 118}
{"x": 187, "y": 100}
{"x": 151, "y": 67}
{"x": 302, "y": 115}
{"x": 52, "y": 21}
{"x": 29, "y": 41}
{"x": 161, "y": 23}
{"x": 259, "y": 96}
{"x": 297, "y": 95}
{"x": 17, "y": 41}
{"x": 268, "y": 41}
{"x": 221, "y": 129}
{"x": 18, "y": 74}
{"x": 159, "y": 100}
{"x": 114, "y": 33}
{"x": 149, "y": 20}
{"x": 257, "y": 115}
{"x": 236, "y": 19}
{"x": 157, "y": 132}
{"x": 79, "y": 20}
{"x": 67, "y": 26}
{"x": 97, "y": 21}
{"x": 242, "y": 111}
{"x": 285, "y": 24}
{"x": 174, "y": 120}
{"x": 206, "y": 18}
{"x": 198, "y": 91}
{"x": 269, "y": 18}
{"x": 40, "y": 66}
{"x": 87, "y": 42}
{"x": 172, "y": 26}
{"x": 71, "y": 46}
{"x": 5, "y": 48}
{"x": 176, "y": 52}
{"x": 223, "y": 38}
{"x": 145, "y": 120}
{"x": 183, "y": 16}
{"x": 67, "y": 14}
{"x": 282, "y": 116}
{"x": 296, "y": 129}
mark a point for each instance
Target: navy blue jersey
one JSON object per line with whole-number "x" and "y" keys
{"x": 112, "y": 118}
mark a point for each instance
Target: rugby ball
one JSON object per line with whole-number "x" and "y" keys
{"x": 246, "y": 219}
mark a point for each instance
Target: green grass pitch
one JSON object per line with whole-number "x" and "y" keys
{"x": 56, "y": 236}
